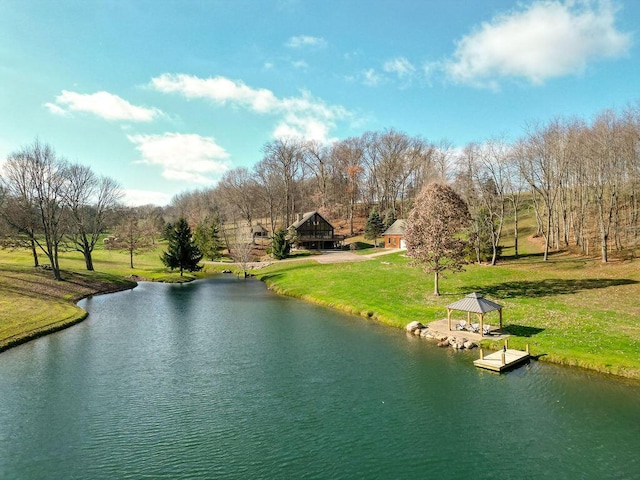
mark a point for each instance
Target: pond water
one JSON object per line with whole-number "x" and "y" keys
{"x": 224, "y": 379}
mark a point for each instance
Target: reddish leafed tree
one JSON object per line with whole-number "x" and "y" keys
{"x": 433, "y": 231}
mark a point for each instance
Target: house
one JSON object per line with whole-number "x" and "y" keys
{"x": 394, "y": 235}
{"x": 315, "y": 232}
{"x": 258, "y": 231}
{"x": 252, "y": 233}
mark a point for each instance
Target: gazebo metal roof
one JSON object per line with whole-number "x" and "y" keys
{"x": 475, "y": 303}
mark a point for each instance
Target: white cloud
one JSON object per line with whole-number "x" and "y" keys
{"x": 56, "y": 110}
{"x": 304, "y": 114}
{"x": 547, "y": 39}
{"x": 136, "y": 198}
{"x": 400, "y": 66}
{"x": 102, "y": 104}
{"x": 302, "y": 41}
{"x": 183, "y": 157}
{"x": 300, "y": 64}
{"x": 218, "y": 89}
{"x": 370, "y": 78}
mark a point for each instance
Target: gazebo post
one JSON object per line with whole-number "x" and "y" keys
{"x": 481, "y": 316}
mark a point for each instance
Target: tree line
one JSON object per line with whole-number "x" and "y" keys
{"x": 580, "y": 179}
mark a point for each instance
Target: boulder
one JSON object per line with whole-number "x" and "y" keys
{"x": 413, "y": 326}
{"x": 425, "y": 333}
{"x": 469, "y": 344}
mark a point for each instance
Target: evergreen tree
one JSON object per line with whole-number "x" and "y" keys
{"x": 207, "y": 237}
{"x": 280, "y": 245}
{"x": 389, "y": 218}
{"x": 374, "y": 227}
{"x": 182, "y": 252}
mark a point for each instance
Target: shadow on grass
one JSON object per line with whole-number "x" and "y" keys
{"x": 522, "y": 330}
{"x": 548, "y": 287}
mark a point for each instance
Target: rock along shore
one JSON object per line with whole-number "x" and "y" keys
{"x": 417, "y": 329}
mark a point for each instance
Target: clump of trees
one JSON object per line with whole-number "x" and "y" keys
{"x": 50, "y": 203}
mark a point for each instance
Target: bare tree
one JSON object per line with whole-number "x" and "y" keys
{"x": 433, "y": 231}
{"x": 270, "y": 186}
{"x": 544, "y": 160}
{"x": 90, "y": 200}
{"x": 348, "y": 158}
{"x": 491, "y": 178}
{"x": 36, "y": 179}
{"x": 20, "y": 210}
{"x": 237, "y": 190}
{"x": 133, "y": 234}
{"x": 241, "y": 249}
{"x": 285, "y": 157}
{"x": 317, "y": 158}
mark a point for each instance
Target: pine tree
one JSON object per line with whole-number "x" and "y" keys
{"x": 280, "y": 245}
{"x": 389, "y": 218}
{"x": 182, "y": 251}
{"x": 206, "y": 236}
{"x": 374, "y": 227}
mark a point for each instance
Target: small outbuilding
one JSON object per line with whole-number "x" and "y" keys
{"x": 394, "y": 235}
{"x": 474, "y": 303}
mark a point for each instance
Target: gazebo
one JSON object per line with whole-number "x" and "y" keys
{"x": 474, "y": 303}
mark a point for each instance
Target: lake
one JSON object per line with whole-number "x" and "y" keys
{"x": 224, "y": 379}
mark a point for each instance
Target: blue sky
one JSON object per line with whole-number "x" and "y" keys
{"x": 165, "y": 96}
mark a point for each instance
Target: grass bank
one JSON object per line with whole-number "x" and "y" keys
{"x": 572, "y": 311}
{"x": 33, "y": 304}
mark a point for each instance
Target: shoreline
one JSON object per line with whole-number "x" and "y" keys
{"x": 550, "y": 358}
{"x": 56, "y": 326}
{"x": 129, "y": 283}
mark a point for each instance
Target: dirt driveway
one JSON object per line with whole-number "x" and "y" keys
{"x": 326, "y": 256}
{"x": 340, "y": 256}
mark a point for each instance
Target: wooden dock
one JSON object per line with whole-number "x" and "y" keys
{"x": 502, "y": 359}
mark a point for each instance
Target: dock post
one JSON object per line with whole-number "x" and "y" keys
{"x": 506, "y": 343}
{"x": 502, "y": 358}
{"x": 481, "y": 354}
{"x": 527, "y": 349}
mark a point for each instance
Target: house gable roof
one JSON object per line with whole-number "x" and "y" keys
{"x": 396, "y": 228}
{"x": 306, "y": 217}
